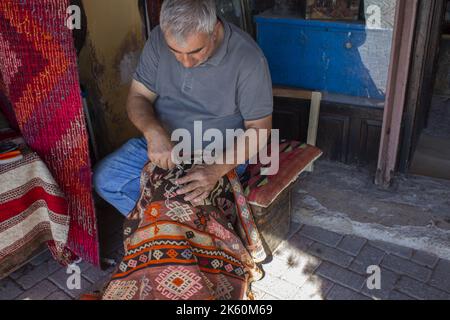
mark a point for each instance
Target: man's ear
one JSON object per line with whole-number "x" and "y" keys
{"x": 217, "y": 28}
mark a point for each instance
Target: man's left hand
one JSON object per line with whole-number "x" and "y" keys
{"x": 199, "y": 182}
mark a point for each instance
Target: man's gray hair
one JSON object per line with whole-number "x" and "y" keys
{"x": 182, "y": 18}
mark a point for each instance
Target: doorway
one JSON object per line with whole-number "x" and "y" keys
{"x": 432, "y": 154}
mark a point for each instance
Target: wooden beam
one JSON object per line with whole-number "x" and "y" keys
{"x": 314, "y": 112}
{"x": 313, "y": 126}
{"x": 402, "y": 44}
{"x": 286, "y": 92}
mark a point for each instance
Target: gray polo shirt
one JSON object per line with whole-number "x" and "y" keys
{"x": 231, "y": 86}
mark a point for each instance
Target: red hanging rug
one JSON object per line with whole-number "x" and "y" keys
{"x": 40, "y": 79}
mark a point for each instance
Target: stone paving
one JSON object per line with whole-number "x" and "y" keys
{"x": 313, "y": 264}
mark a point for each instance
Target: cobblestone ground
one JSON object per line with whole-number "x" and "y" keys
{"x": 312, "y": 264}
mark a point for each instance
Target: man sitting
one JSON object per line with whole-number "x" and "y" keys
{"x": 194, "y": 67}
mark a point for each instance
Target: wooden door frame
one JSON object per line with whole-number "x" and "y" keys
{"x": 399, "y": 70}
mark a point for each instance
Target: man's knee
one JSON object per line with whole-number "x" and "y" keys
{"x": 101, "y": 177}
{"x": 107, "y": 178}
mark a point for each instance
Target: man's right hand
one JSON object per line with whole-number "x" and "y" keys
{"x": 140, "y": 111}
{"x": 160, "y": 150}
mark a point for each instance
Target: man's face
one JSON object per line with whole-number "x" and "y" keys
{"x": 195, "y": 50}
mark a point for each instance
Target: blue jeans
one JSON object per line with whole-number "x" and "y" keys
{"x": 117, "y": 177}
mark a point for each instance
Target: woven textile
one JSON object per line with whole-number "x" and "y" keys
{"x": 294, "y": 158}
{"x": 175, "y": 251}
{"x": 39, "y": 73}
{"x": 33, "y": 210}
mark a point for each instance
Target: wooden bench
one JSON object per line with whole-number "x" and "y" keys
{"x": 270, "y": 196}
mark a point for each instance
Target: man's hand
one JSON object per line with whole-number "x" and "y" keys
{"x": 140, "y": 111}
{"x": 199, "y": 182}
{"x": 160, "y": 150}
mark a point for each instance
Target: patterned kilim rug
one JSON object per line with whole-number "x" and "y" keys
{"x": 39, "y": 73}
{"x": 177, "y": 251}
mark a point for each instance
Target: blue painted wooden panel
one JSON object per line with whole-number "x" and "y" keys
{"x": 336, "y": 57}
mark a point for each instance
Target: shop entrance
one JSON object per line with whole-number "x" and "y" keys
{"x": 431, "y": 157}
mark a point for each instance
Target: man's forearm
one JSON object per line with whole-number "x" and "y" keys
{"x": 242, "y": 147}
{"x": 141, "y": 114}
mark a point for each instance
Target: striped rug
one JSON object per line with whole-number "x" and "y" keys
{"x": 33, "y": 210}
